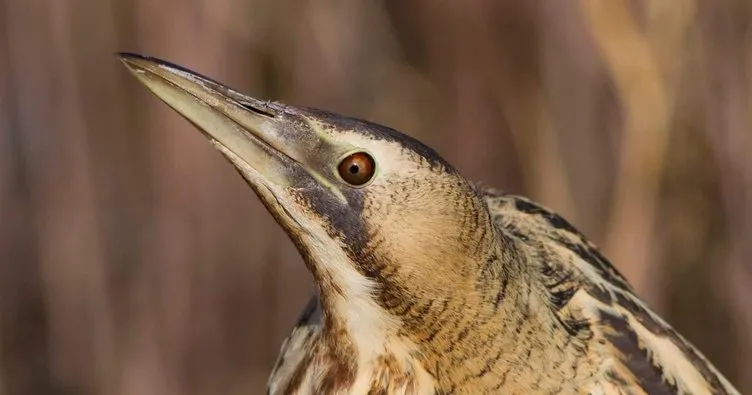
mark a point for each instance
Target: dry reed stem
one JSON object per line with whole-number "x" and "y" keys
{"x": 645, "y": 102}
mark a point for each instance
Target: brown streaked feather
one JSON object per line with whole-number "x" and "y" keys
{"x": 305, "y": 365}
{"x": 647, "y": 353}
{"x": 294, "y": 360}
{"x": 609, "y": 341}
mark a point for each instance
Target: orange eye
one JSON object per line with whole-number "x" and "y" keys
{"x": 357, "y": 169}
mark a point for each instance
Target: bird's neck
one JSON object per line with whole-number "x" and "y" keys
{"x": 484, "y": 309}
{"x": 500, "y": 325}
{"x": 497, "y": 322}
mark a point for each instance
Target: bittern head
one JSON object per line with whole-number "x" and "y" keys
{"x": 369, "y": 208}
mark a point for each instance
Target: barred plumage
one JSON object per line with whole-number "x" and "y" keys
{"x": 427, "y": 283}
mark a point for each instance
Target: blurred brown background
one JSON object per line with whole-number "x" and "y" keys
{"x": 133, "y": 259}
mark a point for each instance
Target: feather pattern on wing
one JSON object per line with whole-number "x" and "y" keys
{"x": 646, "y": 353}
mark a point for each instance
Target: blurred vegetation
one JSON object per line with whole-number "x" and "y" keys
{"x": 133, "y": 259}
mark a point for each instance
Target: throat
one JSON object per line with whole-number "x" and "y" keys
{"x": 363, "y": 342}
{"x": 357, "y": 320}
{"x": 359, "y": 340}
{"x": 353, "y": 324}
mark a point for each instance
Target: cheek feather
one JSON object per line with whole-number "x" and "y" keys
{"x": 419, "y": 236}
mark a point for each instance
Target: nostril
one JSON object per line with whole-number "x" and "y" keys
{"x": 250, "y": 107}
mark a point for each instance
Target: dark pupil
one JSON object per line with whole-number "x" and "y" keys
{"x": 354, "y": 169}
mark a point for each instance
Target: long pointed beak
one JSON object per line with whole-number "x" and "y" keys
{"x": 269, "y": 143}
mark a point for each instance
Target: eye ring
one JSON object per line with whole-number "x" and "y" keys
{"x": 357, "y": 169}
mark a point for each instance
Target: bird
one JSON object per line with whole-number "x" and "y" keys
{"x": 427, "y": 282}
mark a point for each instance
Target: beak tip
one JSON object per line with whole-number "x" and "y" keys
{"x": 132, "y": 61}
{"x": 140, "y": 63}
